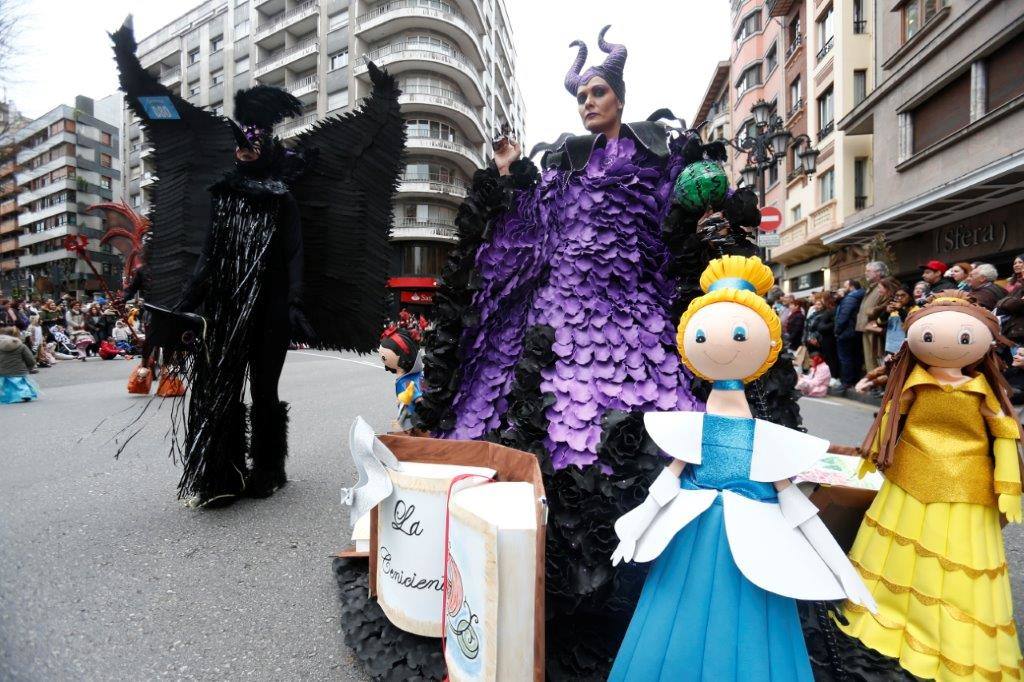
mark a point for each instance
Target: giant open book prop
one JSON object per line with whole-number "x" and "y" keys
{"x": 494, "y": 614}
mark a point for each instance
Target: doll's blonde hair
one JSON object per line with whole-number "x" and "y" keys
{"x": 729, "y": 279}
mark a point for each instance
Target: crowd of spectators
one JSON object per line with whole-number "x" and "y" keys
{"x": 843, "y": 339}
{"x": 68, "y": 329}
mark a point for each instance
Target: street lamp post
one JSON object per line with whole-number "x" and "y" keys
{"x": 768, "y": 146}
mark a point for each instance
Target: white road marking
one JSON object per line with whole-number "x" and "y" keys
{"x": 375, "y": 365}
{"x": 833, "y": 403}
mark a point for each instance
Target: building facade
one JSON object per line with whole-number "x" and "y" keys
{"x": 455, "y": 63}
{"x": 10, "y": 122}
{"x": 66, "y": 160}
{"x": 945, "y": 119}
{"x": 756, "y": 74}
{"x": 713, "y": 115}
{"x": 828, "y": 71}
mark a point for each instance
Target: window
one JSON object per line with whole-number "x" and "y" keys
{"x": 217, "y": 77}
{"x": 826, "y": 114}
{"x": 793, "y": 37}
{"x": 241, "y": 29}
{"x": 339, "y": 20}
{"x": 1004, "y": 74}
{"x": 826, "y": 32}
{"x": 430, "y": 171}
{"x": 193, "y": 56}
{"x": 860, "y": 86}
{"x": 105, "y": 138}
{"x": 796, "y": 213}
{"x": 860, "y": 24}
{"x": 431, "y": 129}
{"x": 337, "y": 100}
{"x": 193, "y": 88}
{"x": 860, "y": 183}
{"x": 242, "y": 64}
{"x": 216, "y": 44}
{"x": 773, "y": 174}
{"x": 749, "y": 79}
{"x": 136, "y": 200}
{"x": 105, "y": 160}
{"x": 796, "y": 95}
{"x": 217, "y": 108}
{"x": 104, "y": 182}
{"x": 423, "y": 259}
{"x": 771, "y": 59}
{"x": 422, "y": 213}
{"x": 827, "y": 185}
{"x": 750, "y": 25}
{"x": 942, "y": 114}
{"x": 339, "y": 59}
{"x": 917, "y": 13}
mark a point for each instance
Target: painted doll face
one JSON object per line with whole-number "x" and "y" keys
{"x": 726, "y": 340}
{"x": 949, "y": 339}
{"x": 390, "y": 360}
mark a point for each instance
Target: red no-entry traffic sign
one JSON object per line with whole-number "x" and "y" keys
{"x": 771, "y": 219}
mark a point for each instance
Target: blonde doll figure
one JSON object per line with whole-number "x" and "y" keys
{"x": 734, "y": 544}
{"x": 930, "y": 547}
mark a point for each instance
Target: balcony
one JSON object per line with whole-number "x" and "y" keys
{"x": 307, "y": 13}
{"x": 35, "y": 237}
{"x": 8, "y": 245}
{"x": 410, "y": 228}
{"x": 794, "y": 46}
{"x": 49, "y": 256}
{"x": 25, "y": 154}
{"x": 860, "y": 202}
{"x": 48, "y": 212}
{"x": 9, "y": 206}
{"x": 795, "y": 245}
{"x": 826, "y": 130}
{"x": 293, "y": 127}
{"x": 288, "y": 56}
{"x": 31, "y": 174}
{"x": 26, "y": 198}
{"x": 422, "y": 186}
{"x": 170, "y": 77}
{"x": 860, "y": 26}
{"x": 453, "y": 149}
{"x": 303, "y": 86}
{"x": 8, "y": 265}
{"x": 822, "y": 220}
{"x": 797, "y": 107}
{"x": 416, "y": 56}
{"x": 826, "y": 48}
{"x": 10, "y": 226}
{"x": 6, "y": 168}
{"x": 396, "y": 16}
{"x": 434, "y": 100}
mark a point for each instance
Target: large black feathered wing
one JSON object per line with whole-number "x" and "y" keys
{"x": 192, "y": 148}
{"x": 345, "y": 200}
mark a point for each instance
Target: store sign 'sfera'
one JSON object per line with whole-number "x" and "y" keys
{"x": 957, "y": 237}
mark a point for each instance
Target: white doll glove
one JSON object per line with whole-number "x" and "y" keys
{"x": 631, "y": 525}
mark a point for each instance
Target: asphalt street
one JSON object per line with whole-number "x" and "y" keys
{"x": 105, "y": 575}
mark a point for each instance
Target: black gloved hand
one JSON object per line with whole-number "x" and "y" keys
{"x": 300, "y": 326}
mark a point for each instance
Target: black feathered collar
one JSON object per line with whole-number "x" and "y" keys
{"x": 234, "y": 181}
{"x": 575, "y": 152}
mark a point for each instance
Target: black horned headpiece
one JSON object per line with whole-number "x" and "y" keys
{"x": 258, "y": 110}
{"x": 610, "y": 70}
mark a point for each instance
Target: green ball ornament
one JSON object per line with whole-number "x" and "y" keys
{"x": 700, "y": 186}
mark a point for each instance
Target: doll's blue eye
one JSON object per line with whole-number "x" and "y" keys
{"x": 700, "y": 337}
{"x": 739, "y": 333}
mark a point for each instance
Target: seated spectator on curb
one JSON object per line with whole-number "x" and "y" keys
{"x": 815, "y": 383}
{"x": 983, "y": 286}
{"x": 932, "y": 273}
{"x": 16, "y": 361}
{"x": 109, "y": 350}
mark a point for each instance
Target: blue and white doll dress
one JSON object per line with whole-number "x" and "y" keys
{"x": 719, "y": 602}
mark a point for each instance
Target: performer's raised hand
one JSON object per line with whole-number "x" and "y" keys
{"x": 507, "y": 151}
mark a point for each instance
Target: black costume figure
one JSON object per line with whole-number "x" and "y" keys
{"x": 312, "y": 220}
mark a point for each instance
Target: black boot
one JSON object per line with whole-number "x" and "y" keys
{"x": 215, "y": 471}
{"x": 268, "y": 450}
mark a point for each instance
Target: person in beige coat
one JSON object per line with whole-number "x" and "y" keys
{"x": 871, "y": 334}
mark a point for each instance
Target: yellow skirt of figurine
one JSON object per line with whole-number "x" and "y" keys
{"x": 938, "y": 572}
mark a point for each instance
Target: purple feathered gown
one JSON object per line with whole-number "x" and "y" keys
{"x": 582, "y": 252}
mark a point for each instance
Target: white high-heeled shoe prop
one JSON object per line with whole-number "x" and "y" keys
{"x": 371, "y": 457}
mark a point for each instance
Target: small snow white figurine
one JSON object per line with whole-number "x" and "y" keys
{"x": 930, "y": 547}
{"x": 401, "y": 356}
{"x": 736, "y": 544}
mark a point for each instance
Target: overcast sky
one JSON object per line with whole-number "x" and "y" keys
{"x": 673, "y": 48}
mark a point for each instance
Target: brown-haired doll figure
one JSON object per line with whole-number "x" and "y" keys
{"x": 930, "y": 547}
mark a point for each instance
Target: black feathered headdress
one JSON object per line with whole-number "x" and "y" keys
{"x": 259, "y": 109}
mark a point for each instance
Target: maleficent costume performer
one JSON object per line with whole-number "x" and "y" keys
{"x": 554, "y": 330}
{"x": 286, "y": 224}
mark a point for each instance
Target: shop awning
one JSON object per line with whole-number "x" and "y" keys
{"x": 998, "y": 184}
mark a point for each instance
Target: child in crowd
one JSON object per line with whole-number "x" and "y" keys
{"x": 815, "y": 383}
{"x": 16, "y": 360}
{"x": 109, "y": 350}
{"x": 122, "y": 336}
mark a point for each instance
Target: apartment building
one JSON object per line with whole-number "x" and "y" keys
{"x": 455, "y": 62}
{"x": 828, "y": 70}
{"x": 713, "y": 114}
{"x": 945, "y": 117}
{"x": 756, "y": 74}
{"x": 67, "y": 160}
{"x": 10, "y": 122}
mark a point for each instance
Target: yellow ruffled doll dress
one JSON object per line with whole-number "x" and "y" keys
{"x": 930, "y": 547}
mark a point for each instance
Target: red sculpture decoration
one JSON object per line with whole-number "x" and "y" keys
{"x": 125, "y": 229}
